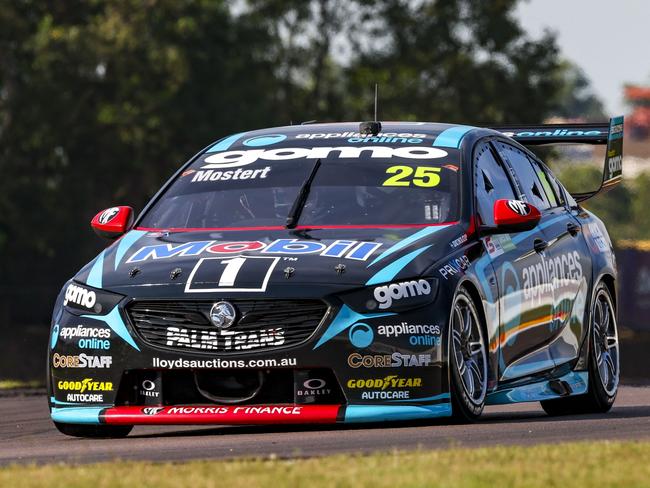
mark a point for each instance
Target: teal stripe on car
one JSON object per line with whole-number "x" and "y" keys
{"x": 345, "y": 319}
{"x": 426, "y": 231}
{"x": 389, "y": 272}
{"x": 96, "y": 273}
{"x": 77, "y": 415}
{"x": 114, "y": 320}
{"x": 452, "y": 137}
{"x": 380, "y": 413}
{"x": 125, "y": 244}
{"x": 224, "y": 144}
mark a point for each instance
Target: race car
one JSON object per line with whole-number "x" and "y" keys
{"x": 341, "y": 273}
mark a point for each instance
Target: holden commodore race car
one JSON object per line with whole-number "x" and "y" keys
{"x": 345, "y": 273}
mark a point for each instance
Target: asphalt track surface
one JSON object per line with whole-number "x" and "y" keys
{"x": 28, "y": 436}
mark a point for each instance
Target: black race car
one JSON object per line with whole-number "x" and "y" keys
{"x": 345, "y": 273}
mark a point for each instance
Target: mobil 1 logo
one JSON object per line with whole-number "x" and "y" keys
{"x": 231, "y": 274}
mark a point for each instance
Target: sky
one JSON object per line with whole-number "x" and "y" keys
{"x": 609, "y": 40}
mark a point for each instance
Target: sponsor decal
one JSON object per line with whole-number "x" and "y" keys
{"x": 394, "y": 360}
{"x": 234, "y": 159}
{"x": 454, "y": 267}
{"x": 254, "y": 410}
{"x": 496, "y": 245}
{"x": 457, "y": 242}
{"x": 549, "y": 274}
{"x": 152, "y": 410}
{"x": 81, "y": 361}
{"x": 149, "y": 388}
{"x": 227, "y": 274}
{"x": 361, "y": 335}
{"x": 85, "y": 397}
{"x": 82, "y": 386}
{"x": 340, "y": 249}
{"x": 218, "y": 363}
{"x": 80, "y": 296}
{"x": 224, "y": 340}
{"x": 419, "y": 335}
{"x": 385, "y": 388}
{"x": 598, "y": 237}
{"x": 555, "y": 133}
{"x": 386, "y": 294}
{"x": 357, "y": 135}
{"x": 519, "y": 207}
{"x": 235, "y": 175}
{"x": 313, "y": 387}
{"x": 108, "y": 215}
{"x": 89, "y": 337}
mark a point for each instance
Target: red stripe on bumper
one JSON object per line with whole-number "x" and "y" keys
{"x": 221, "y": 415}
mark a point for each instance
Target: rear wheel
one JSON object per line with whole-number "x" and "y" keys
{"x": 94, "y": 431}
{"x": 603, "y": 362}
{"x": 467, "y": 359}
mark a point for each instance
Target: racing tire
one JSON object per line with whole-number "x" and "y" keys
{"x": 94, "y": 431}
{"x": 603, "y": 363}
{"x": 467, "y": 359}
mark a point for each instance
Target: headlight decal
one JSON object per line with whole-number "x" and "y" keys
{"x": 114, "y": 320}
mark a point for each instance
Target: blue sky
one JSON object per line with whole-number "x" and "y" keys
{"x": 609, "y": 40}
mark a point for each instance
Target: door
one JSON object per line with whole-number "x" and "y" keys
{"x": 550, "y": 281}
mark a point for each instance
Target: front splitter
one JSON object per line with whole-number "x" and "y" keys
{"x": 246, "y": 414}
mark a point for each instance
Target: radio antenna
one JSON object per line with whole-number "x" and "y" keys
{"x": 374, "y": 127}
{"x": 376, "y": 97}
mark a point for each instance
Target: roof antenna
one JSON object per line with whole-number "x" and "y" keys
{"x": 372, "y": 128}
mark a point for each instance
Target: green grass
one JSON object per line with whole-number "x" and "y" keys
{"x": 595, "y": 464}
{"x": 11, "y": 384}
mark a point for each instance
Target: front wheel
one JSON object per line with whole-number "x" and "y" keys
{"x": 603, "y": 362}
{"x": 94, "y": 431}
{"x": 467, "y": 359}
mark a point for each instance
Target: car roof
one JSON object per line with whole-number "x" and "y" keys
{"x": 440, "y": 135}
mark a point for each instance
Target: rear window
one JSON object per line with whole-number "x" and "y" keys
{"x": 355, "y": 185}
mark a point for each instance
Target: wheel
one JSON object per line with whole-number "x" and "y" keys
{"x": 603, "y": 363}
{"x": 467, "y": 359}
{"x": 94, "y": 431}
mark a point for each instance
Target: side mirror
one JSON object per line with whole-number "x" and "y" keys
{"x": 112, "y": 222}
{"x": 515, "y": 216}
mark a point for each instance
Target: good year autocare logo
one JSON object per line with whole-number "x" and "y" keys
{"x": 233, "y": 159}
{"x": 385, "y": 295}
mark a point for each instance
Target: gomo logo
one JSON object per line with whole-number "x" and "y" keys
{"x": 232, "y": 159}
{"x": 407, "y": 289}
{"x": 80, "y": 296}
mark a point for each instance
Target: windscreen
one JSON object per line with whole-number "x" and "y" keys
{"x": 353, "y": 185}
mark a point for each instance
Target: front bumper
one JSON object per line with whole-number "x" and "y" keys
{"x": 247, "y": 414}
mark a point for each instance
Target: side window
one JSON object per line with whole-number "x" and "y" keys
{"x": 491, "y": 183}
{"x": 558, "y": 191}
{"x": 527, "y": 173}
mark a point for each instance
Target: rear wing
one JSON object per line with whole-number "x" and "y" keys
{"x": 600, "y": 134}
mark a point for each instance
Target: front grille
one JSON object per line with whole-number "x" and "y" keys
{"x": 260, "y": 324}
